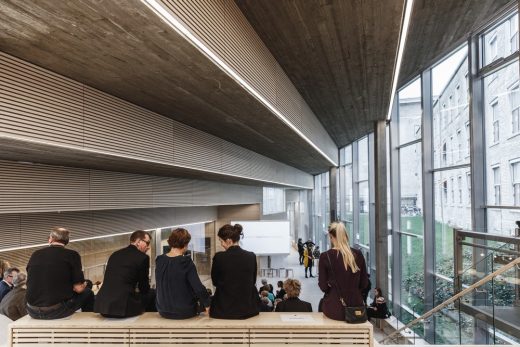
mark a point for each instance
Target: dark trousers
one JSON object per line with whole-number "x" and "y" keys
{"x": 301, "y": 258}
{"x": 310, "y": 271}
{"x": 147, "y": 305}
{"x": 83, "y": 301}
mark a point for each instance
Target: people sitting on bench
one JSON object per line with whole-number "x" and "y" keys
{"x": 180, "y": 293}
{"x": 14, "y": 304}
{"x": 55, "y": 284}
{"x": 127, "y": 269}
{"x": 293, "y": 303}
{"x": 234, "y": 275}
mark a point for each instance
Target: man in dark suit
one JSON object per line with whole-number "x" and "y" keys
{"x": 6, "y": 285}
{"x": 293, "y": 303}
{"x": 127, "y": 269}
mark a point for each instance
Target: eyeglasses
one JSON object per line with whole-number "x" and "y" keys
{"x": 147, "y": 242}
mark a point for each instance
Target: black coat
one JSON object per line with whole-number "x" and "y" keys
{"x": 293, "y": 305}
{"x": 234, "y": 275}
{"x": 127, "y": 269}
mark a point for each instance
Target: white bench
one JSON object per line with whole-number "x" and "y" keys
{"x": 267, "y": 329}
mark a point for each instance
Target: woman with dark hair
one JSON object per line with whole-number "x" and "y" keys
{"x": 343, "y": 274}
{"x": 234, "y": 275}
{"x": 179, "y": 289}
{"x": 280, "y": 292}
{"x": 378, "y": 307}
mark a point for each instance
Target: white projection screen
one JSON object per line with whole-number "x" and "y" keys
{"x": 266, "y": 237}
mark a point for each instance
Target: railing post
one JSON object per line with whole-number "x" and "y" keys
{"x": 457, "y": 261}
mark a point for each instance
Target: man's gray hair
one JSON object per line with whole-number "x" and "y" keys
{"x": 264, "y": 281}
{"x": 8, "y": 271}
{"x": 60, "y": 235}
{"x": 19, "y": 279}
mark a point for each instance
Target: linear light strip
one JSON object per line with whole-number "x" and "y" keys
{"x": 402, "y": 44}
{"x": 169, "y": 19}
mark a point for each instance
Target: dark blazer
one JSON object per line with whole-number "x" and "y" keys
{"x": 4, "y": 289}
{"x": 293, "y": 305}
{"x": 234, "y": 275}
{"x": 126, "y": 269}
{"x": 351, "y": 284}
{"x": 179, "y": 289}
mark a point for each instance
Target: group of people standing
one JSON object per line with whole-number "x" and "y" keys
{"x": 56, "y": 287}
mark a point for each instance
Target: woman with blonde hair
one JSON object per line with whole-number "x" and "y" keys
{"x": 343, "y": 274}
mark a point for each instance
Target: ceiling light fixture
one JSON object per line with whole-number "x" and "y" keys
{"x": 400, "y": 50}
{"x": 178, "y": 26}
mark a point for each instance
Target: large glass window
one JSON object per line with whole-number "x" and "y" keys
{"x": 273, "y": 200}
{"x": 448, "y": 78}
{"x": 410, "y": 112}
{"x": 515, "y": 180}
{"x": 501, "y": 40}
{"x": 363, "y": 232}
{"x": 502, "y": 147}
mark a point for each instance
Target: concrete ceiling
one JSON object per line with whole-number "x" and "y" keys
{"x": 121, "y": 47}
{"x": 437, "y": 26}
{"x": 338, "y": 53}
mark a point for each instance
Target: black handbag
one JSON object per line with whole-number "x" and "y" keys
{"x": 353, "y": 314}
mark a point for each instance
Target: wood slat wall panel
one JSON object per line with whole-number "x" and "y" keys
{"x": 204, "y": 150}
{"x": 227, "y": 33}
{"x": 116, "y": 126}
{"x": 40, "y": 188}
{"x": 27, "y": 188}
{"x": 20, "y": 230}
{"x": 38, "y": 105}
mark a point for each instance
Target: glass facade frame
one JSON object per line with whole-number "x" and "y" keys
{"x": 454, "y": 174}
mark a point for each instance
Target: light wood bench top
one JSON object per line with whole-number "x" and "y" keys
{"x": 149, "y": 320}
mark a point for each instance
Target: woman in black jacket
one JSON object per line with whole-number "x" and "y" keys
{"x": 179, "y": 289}
{"x": 378, "y": 307}
{"x": 293, "y": 303}
{"x": 234, "y": 275}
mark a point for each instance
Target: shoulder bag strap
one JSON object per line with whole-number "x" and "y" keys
{"x": 336, "y": 282}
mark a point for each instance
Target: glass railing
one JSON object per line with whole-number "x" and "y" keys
{"x": 484, "y": 310}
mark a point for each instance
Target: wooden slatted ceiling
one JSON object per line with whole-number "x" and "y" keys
{"x": 123, "y": 48}
{"x": 39, "y": 105}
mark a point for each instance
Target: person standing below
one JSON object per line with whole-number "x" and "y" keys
{"x": 293, "y": 303}
{"x": 344, "y": 276}
{"x": 308, "y": 260}
{"x": 55, "y": 284}
{"x": 300, "y": 250}
{"x": 127, "y": 269}
{"x": 14, "y": 304}
{"x": 234, "y": 275}
{"x": 6, "y": 285}
{"x": 179, "y": 289}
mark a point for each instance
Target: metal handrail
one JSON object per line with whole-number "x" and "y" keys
{"x": 455, "y": 298}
